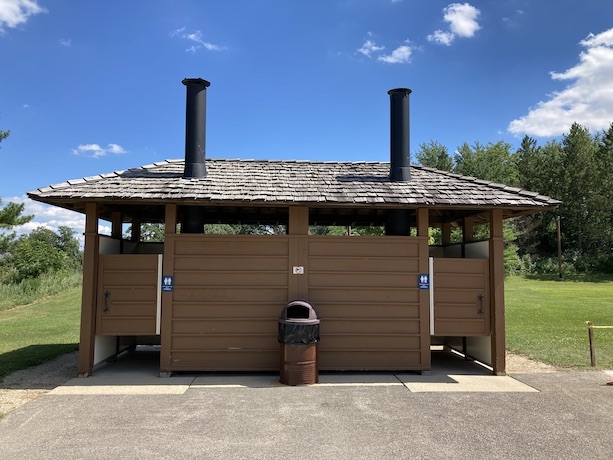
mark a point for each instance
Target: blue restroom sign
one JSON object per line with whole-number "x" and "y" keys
{"x": 167, "y": 283}
{"x": 424, "y": 281}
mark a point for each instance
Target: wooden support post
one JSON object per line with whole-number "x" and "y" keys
{"x": 590, "y": 333}
{"x": 168, "y": 263}
{"x": 423, "y": 225}
{"x": 298, "y": 230}
{"x": 496, "y": 250}
{"x": 116, "y": 224}
{"x": 446, "y": 233}
{"x": 89, "y": 295}
{"x": 135, "y": 236}
{"x": 468, "y": 233}
{"x": 468, "y": 230}
{"x": 298, "y": 220}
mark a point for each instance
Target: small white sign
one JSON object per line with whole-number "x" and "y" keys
{"x": 298, "y": 270}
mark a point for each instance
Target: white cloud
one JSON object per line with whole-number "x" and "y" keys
{"x": 400, "y": 55}
{"x": 25, "y": 106}
{"x": 441, "y": 37}
{"x": 197, "y": 38}
{"x": 587, "y": 100}
{"x": 16, "y": 12}
{"x": 67, "y": 42}
{"x": 462, "y": 20}
{"x": 116, "y": 149}
{"x": 369, "y": 47}
{"x": 95, "y": 151}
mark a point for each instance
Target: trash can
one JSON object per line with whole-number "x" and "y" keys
{"x": 298, "y": 336}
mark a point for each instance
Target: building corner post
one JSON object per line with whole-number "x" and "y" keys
{"x": 91, "y": 251}
{"x": 496, "y": 254}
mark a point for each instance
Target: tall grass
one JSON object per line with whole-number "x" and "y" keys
{"x": 30, "y": 290}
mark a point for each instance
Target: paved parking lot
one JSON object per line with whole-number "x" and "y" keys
{"x": 126, "y": 411}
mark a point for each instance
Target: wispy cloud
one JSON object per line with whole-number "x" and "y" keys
{"x": 369, "y": 47}
{"x": 400, "y": 55}
{"x": 67, "y": 42}
{"x": 441, "y": 37}
{"x": 13, "y": 13}
{"x": 462, "y": 20}
{"x": 25, "y": 106}
{"x": 195, "y": 37}
{"x": 513, "y": 21}
{"x": 587, "y": 100}
{"x": 95, "y": 151}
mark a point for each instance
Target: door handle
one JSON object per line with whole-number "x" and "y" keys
{"x": 106, "y": 308}
{"x": 480, "y": 297}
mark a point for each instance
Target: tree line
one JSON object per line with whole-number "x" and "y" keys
{"x": 577, "y": 170}
{"x": 40, "y": 252}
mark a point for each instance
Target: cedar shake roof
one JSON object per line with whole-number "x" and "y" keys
{"x": 342, "y": 184}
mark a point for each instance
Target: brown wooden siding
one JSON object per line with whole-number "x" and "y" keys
{"x": 228, "y": 294}
{"x": 458, "y": 283}
{"x": 132, "y": 281}
{"x": 230, "y": 290}
{"x": 365, "y": 291}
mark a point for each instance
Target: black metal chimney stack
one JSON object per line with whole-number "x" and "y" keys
{"x": 195, "y": 127}
{"x": 400, "y": 156}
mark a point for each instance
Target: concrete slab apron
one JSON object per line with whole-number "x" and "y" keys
{"x": 143, "y": 384}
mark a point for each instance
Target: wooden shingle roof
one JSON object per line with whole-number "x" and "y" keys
{"x": 290, "y": 182}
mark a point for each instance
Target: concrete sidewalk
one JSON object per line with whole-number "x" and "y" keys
{"x": 554, "y": 415}
{"x": 137, "y": 373}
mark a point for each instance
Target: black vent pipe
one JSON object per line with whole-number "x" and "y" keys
{"x": 400, "y": 156}
{"x": 195, "y": 127}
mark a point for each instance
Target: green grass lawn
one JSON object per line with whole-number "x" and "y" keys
{"x": 38, "y": 332}
{"x": 546, "y": 319}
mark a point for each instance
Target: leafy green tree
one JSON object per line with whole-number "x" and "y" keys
{"x": 491, "y": 162}
{"x": 34, "y": 257}
{"x": 434, "y": 155}
{"x": 244, "y": 229}
{"x": 4, "y": 135}
{"x": 11, "y": 215}
{"x": 42, "y": 251}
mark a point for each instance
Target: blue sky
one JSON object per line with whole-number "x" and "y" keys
{"x": 91, "y": 87}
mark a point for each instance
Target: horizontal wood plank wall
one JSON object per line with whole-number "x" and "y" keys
{"x": 365, "y": 291}
{"x": 132, "y": 281}
{"x": 228, "y": 294}
{"x": 457, "y": 308}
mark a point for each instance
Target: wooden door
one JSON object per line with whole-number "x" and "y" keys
{"x": 128, "y": 294}
{"x": 461, "y": 297}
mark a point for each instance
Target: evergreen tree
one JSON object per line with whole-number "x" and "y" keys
{"x": 434, "y": 155}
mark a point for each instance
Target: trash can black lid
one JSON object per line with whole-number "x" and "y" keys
{"x": 299, "y": 311}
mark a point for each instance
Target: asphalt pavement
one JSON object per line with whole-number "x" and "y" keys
{"x": 460, "y": 411}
